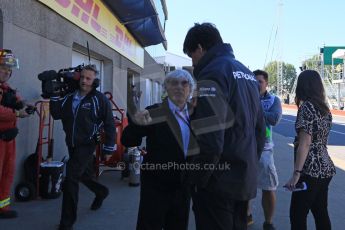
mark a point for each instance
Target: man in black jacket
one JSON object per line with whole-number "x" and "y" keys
{"x": 230, "y": 130}
{"x": 164, "y": 199}
{"x": 83, "y": 114}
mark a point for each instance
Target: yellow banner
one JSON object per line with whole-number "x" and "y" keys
{"x": 94, "y": 17}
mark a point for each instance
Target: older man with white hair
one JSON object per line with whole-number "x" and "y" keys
{"x": 164, "y": 198}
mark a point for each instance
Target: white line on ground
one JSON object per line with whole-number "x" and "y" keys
{"x": 288, "y": 120}
{"x": 341, "y": 133}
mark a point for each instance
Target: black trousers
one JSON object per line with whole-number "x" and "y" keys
{"x": 315, "y": 198}
{"x": 79, "y": 169}
{"x": 214, "y": 212}
{"x": 158, "y": 209}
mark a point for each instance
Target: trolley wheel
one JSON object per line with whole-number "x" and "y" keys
{"x": 25, "y": 191}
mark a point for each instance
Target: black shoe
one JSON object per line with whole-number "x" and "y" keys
{"x": 250, "y": 220}
{"x": 8, "y": 214}
{"x": 64, "y": 228}
{"x": 97, "y": 202}
{"x": 267, "y": 226}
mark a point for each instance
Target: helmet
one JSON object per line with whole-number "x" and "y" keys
{"x": 7, "y": 58}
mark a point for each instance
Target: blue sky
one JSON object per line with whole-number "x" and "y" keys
{"x": 306, "y": 25}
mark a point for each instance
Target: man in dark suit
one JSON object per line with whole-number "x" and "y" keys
{"x": 229, "y": 126}
{"x": 164, "y": 199}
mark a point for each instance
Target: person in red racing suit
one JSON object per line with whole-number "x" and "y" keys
{"x": 11, "y": 107}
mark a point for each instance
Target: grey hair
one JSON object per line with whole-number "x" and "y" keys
{"x": 180, "y": 74}
{"x": 91, "y": 67}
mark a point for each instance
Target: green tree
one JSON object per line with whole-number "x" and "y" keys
{"x": 314, "y": 63}
{"x": 289, "y": 76}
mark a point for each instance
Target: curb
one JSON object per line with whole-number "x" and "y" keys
{"x": 333, "y": 111}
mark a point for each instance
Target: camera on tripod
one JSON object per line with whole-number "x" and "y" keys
{"x": 60, "y": 83}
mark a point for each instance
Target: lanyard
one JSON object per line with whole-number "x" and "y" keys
{"x": 186, "y": 121}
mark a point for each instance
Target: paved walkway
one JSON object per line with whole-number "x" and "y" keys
{"x": 120, "y": 210}
{"x": 283, "y": 159}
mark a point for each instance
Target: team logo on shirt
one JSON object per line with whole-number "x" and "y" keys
{"x": 86, "y": 105}
{"x": 241, "y": 75}
{"x": 207, "y": 92}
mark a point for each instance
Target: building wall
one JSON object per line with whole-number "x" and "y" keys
{"x": 43, "y": 40}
